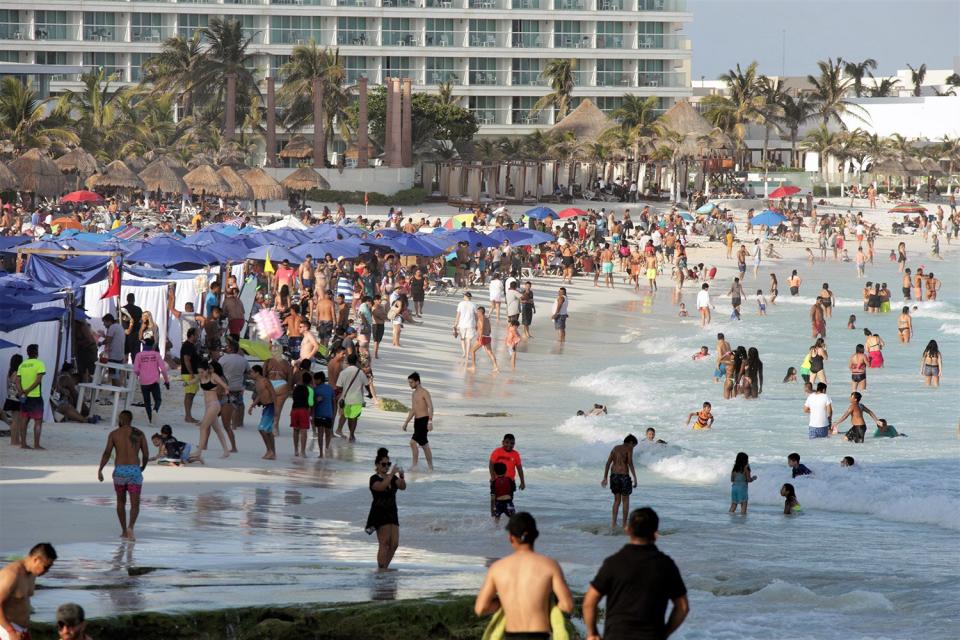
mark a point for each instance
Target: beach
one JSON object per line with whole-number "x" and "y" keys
{"x": 243, "y": 532}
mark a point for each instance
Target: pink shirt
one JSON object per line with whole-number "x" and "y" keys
{"x": 149, "y": 366}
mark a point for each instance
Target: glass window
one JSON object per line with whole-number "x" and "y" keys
{"x": 441, "y": 70}
{"x": 99, "y": 25}
{"x": 352, "y": 30}
{"x": 528, "y": 4}
{"x": 136, "y": 65}
{"x": 439, "y": 32}
{"x": 608, "y": 103}
{"x": 483, "y": 33}
{"x": 483, "y": 71}
{"x": 398, "y": 67}
{"x": 611, "y": 5}
{"x": 11, "y": 27}
{"x": 567, "y": 33}
{"x": 146, "y": 27}
{"x": 103, "y": 59}
{"x": 522, "y": 106}
{"x": 187, "y": 23}
{"x": 484, "y": 108}
{"x": 610, "y": 35}
{"x": 526, "y": 34}
{"x": 50, "y": 57}
{"x": 650, "y": 35}
{"x": 610, "y": 73}
{"x": 356, "y": 67}
{"x": 525, "y": 71}
{"x": 296, "y": 29}
{"x": 10, "y": 56}
{"x": 397, "y": 32}
{"x": 50, "y": 25}
{"x": 276, "y": 63}
{"x": 250, "y": 27}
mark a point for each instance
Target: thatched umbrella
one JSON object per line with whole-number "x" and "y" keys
{"x": 263, "y": 185}
{"x": 913, "y": 166}
{"x": 932, "y": 168}
{"x": 207, "y": 181}
{"x": 699, "y": 136}
{"x": 159, "y": 176}
{"x": 587, "y": 122}
{"x": 78, "y": 162}
{"x": 38, "y": 174}
{"x": 298, "y": 147}
{"x": 889, "y": 167}
{"x": 303, "y": 179}
{"x": 116, "y": 175}
{"x": 238, "y": 186}
{"x": 8, "y": 179}
{"x": 135, "y": 162}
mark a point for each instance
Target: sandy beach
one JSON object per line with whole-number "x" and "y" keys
{"x": 214, "y": 535}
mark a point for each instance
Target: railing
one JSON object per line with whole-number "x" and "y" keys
{"x": 14, "y": 31}
{"x": 415, "y": 75}
{"x": 612, "y": 5}
{"x": 358, "y": 38}
{"x": 573, "y": 5}
{"x": 300, "y": 36}
{"x": 529, "y": 4}
{"x": 484, "y": 78}
{"x": 661, "y": 79}
{"x": 526, "y": 78}
{"x": 441, "y": 39}
{"x": 661, "y": 41}
{"x": 488, "y": 38}
{"x": 612, "y": 41}
{"x": 520, "y": 116}
{"x": 530, "y": 40}
{"x": 572, "y": 40}
{"x": 661, "y": 5}
{"x": 101, "y": 34}
{"x": 298, "y": 3}
{"x": 47, "y": 31}
{"x": 436, "y": 76}
{"x": 402, "y": 4}
{"x": 356, "y": 3}
{"x": 485, "y": 4}
{"x": 615, "y": 79}
{"x": 150, "y": 34}
{"x": 445, "y": 4}
{"x": 405, "y": 38}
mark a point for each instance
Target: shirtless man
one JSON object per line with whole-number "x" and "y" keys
{"x": 905, "y": 325}
{"x": 818, "y": 327}
{"x": 523, "y": 584}
{"x": 308, "y": 343}
{"x": 855, "y": 412}
{"x": 334, "y": 367}
{"x": 306, "y": 274}
{"x": 567, "y": 261}
{"x": 651, "y": 272}
{"x": 421, "y": 411}
{"x": 17, "y": 581}
{"x": 619, "y": 468}
{"x": 905, "y": 286}
{"x": 263, "y": 396}
{"x": 606, "y": 263}
{"x": 130, "y": 445}
{"x": 484, "y": 340}
{"x": 325, "y": 316}
{"x": 918, "y": 284}
{"x": 723, "y": 347}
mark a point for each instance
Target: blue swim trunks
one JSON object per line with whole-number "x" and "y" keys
{"x": 266, "y": 419}
{"x": 818, "y": 432}
{"x": 127, "y": 477}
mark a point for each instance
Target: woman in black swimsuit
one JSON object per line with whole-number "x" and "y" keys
{"x": 818, "y": 354}
{"x": 383, "y": 517}
{"x": 874, "y": 300}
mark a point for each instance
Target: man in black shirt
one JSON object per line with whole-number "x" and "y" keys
{"x": 188, "y": 373}
{"x": 134, "y": 315}
{"x": 637, "y": 581}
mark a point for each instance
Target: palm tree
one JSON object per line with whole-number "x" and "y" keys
{"x": 445, "y": 93}
{"x": 772, "y": 112}
{"x": 559, "y": 74}
{"x": 884, "y": 88}
{"x": 858, "y": 71}
{"x": 797, "y": 111}
{"x": 949, "y": 149}
{"x": 226, "y": 52}
{"x": 309, "y": 62}
{"x": 636, "y": 111}
{"x": 745, "y": 105}
{"x": 917, "y": 77}
{"x": 830, "y": 91}
{"x": 953, "y": 81}
{"x": 94, "y": 108}
{"x": 150, "y": 128}
{"x": 24, "y": 120}
{"x": 175, "y": 68}
{"x": 824, "y": 143}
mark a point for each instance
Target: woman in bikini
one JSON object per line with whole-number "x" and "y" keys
{"x": 818, "y": 357}
{"x": 280, "y": 374}
{"x": 148, "y": 328}
{"x": 858, "y": 370}
{"x": 931, "y": 364}
{"x": 210, "y": 383}
{"x": 874, "y": 345}
{"x": 774, "y": 288}
{"x": 794, "y": 283}
{"x": 905, "y": 325}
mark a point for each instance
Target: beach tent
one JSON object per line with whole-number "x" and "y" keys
{"x": 42, "y": 327}
{"x": 151, "y": 295}
{"x": 409, "y": 244}
{"x": 172, "y": 254}
{"x": 347, "y": 248}
{"x": 539, "y": 213}
{"x": 287, "y": 222}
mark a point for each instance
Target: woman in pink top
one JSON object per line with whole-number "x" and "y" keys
{"x": 150, "y": 367}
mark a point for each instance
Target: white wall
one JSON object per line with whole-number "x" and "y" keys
{"x": 376, "y": 179}
{"x": 930, "y": 117}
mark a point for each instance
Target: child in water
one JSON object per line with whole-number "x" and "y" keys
{"x": 502, "y": 489}
{"x": 704, "y": 417}
{"x": 790, "y": 505}
{"x": 885, "y": 430}
{"x": 852, "y": 322}
{"x": 791, "y": 375}
{"x": 761, "y": 302}
{"x": 683, "y": 311}
{"x": 739, "y": 479}
{"x": 847, "y": 461}
{"x": 700, "y": 355}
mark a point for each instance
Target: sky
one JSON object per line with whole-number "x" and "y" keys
{"x": 725, "y": 32}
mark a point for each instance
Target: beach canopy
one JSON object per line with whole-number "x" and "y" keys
{"x": 767, "y": 218}
{"x": 78, "y": 161}
{"x": 298, "y": 147}
{"x": 521, "y": 237}
{"x": 539, "y": 213}
{"x": 160, "y": 175}
{"x": 273, "y": 252}
{"x": 471, "y": 236}
{"x": 206, "y": 180}
{"x": 116, "y": 175}
{"x": 587, "y": 122}
{"x": 305, "y": 178}
{"x": 172, "y": 255}
{"x": 346, "y": 248}
{"x": 82, "y": 196}
{"x": 8, "y": 179}
{"x": 784, "y": 191}
{"x": 410, "y": 244}
{"x": 66, "y": 223}
{"x": 572, "y": 212}
{"x": 238, "y": 186}
{"x": 263, "y": 185}
{"x": 707, "y": 209}
{"x": 458, "y": 221}
{"x": 907, "y": 207}
{"x": 38, "y": 174}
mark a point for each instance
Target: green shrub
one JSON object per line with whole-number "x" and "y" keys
{"x": 404, "y": 198}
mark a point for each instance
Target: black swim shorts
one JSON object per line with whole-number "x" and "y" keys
{"x": 420, "y": 431}
{"x": 620, "y": 484}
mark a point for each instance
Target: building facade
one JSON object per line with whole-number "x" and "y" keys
{"x": 491, "y": 51}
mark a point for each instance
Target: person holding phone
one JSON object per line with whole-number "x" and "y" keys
{"x": 383, "y": 518}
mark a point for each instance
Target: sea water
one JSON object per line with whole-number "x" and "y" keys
{"x": 872, "y": 555}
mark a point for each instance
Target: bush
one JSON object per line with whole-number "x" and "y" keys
{"x": 406, "y": 197}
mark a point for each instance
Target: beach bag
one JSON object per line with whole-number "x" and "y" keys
{"x": 394, "y": 310}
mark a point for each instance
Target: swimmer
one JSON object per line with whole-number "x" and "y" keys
{"x": 885, "y": 430}
{"x": 700, "y": 355}
{"x": 597, "y": 410}
{"x": 807, "y": 388}
{"x": 683, "y": 311}
{"x": 790, "y": 504}
{"x": 652, "y": 437}
{"x": 704, "y": 417}
{"x": 852, "y": 322}
{"x": 797, "y": 467}
{"x": 761, "y": 302}
{"x": 847, "y": 461}
{"x": 619, "y": 468}
{"x": 905, "y": 325}
{"x": 791, "y": 375}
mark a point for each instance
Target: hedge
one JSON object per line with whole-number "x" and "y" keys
{"x": 406, "y": 197}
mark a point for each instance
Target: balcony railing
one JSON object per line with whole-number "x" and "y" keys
{"x": 521, "y": 116}
{"x": 526, "y": 78}
{"x": 298, "y": 3}
{"x": 445, "y": 4}
{"x": 401, "y": 4}
{"x": 661, "y": 41}
{"x": 484, "y": 78}
{"x": 300, "y": 36}
{"x": 489, "y": 39}
{"x": 661, "y": 5}
{"x": 150, "y": 34}
{"x": 530, "y": 40}
{"x": 529, "y": 4}
{"x": 436, "y": 76}
{"x": 572, "y": 40}
{"x": 102, "y": 34}
{"x": 573, "y": 5}
{"x": 612, "y": 5}
{"x": 358, "y": 38}
{"x": 615, "y": 79}
{"x": 14, "y": 31}
{"x": 415, "y": 75}
{"x": 356, "y": 3}
{"x": 400, "y": 39}
{"x": 661, "y": 79}
{"x": 47, "y": 31}
{"x": 612, "y": 41}
{"x": 485, "y": 4}
{"x": 441, "y": 39}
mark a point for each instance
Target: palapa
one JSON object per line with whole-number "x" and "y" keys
{"x": 160, "y": 176}
{"x": 889, "y": 167}
{"x": 238, "y": 186}
{"x": 8, "y": 179}
{"x": 913, "y": 166}
{"x": 263, "y": 185}
{"x": 116, "y": 175}
{"x": 38, "y": 174}
{"x": 303, "y": 179}
{"x": 933, "y": 168}
{"x": 205, "y": 180}
{"x": 699, "y": 136}
{"x": 78, "y": 161}
{"x": 586, "y": 122}
{"x": 298, "y": 147}
{"x": 135, "y": 162}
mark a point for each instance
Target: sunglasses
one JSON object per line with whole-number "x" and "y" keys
{"x": 61, "y": 624}
{"x": 385, "y": 464}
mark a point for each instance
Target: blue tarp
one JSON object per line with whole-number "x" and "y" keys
{"x": 471, "y": 236}
{"x": 408, "y": 244}
{"x": 277, "y": 254}
{"x": 13, "y": 319}
{"x": 9, "y": 242}
{"x": 50, "y": 273}
{"x": 172, "y": 254}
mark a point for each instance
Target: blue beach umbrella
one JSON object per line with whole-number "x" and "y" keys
{"x": 539, "y": 213}
{"x": 470, "y": 236}
{"x": 173, "y": 255}
{"x": 520, "y": 237}
{"x": 408, "y": 244}
{"x": 276, "y": 252}
{"x": 686, "y": 216}
{"x": 767, "y": 218}
{"x": 707, "y": 208}
{"x": 322, "y": 233}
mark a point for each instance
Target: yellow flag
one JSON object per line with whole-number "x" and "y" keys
{"x": 267, "y": 266}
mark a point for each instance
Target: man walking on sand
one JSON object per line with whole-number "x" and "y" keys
{"x": 264, "y": 396}
{"x": 17, "y": 582}
{"x": 619, "y": 469}
{"x": 465, "y": 324}
{"x": 421, "y": 410}
{"x": 638, "y": 582}
{"x": 524, "y": 584}
{"x": 129, "y": 444}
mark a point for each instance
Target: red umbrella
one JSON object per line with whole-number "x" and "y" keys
{"x": 783, "y": 192}
{"x": 907, "y": 207}
{"x": 572, "y": 212}
{"x": 82, "y": 196}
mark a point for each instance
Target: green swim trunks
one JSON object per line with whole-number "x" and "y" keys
{"x": 351, "y": 411}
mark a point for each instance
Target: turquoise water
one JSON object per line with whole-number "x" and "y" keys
{"x": 873, "y": 554}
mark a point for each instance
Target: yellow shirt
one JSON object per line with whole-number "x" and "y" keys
{"x": 29, "y": 371}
